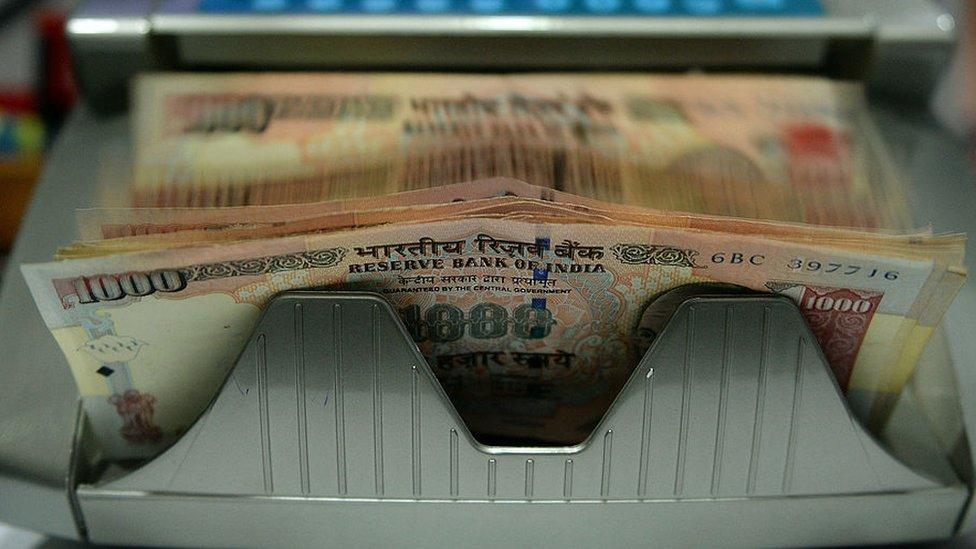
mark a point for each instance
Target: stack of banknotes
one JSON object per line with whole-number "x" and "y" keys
{"x": 522, "y": 226}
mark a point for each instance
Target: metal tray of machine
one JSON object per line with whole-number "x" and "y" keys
{"x": 332, "y": 427}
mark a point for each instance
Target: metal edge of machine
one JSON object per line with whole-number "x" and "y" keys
{"x": 114, "y": 40}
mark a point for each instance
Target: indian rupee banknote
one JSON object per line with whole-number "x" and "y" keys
{"x": 772, "y": 147}
{"x": 550, "y": 309}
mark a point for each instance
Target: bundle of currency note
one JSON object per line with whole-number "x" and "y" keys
{"x": 532, "y": 305}
{"x": 792, "y": 149}
{"x": 527, "y": 228}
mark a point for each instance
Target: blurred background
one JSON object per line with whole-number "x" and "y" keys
{"x": 36, "y": 92}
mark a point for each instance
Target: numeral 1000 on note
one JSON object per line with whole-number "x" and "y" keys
{"x": 94, "y": 289}
{"x": 443, "y": 322}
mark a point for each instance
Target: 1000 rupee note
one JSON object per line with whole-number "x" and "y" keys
{"x": 161, "y": 228}
{"x": 782, "y": 148}
{"x": 343, "y": 220}
{"x": 111, "y": 223}
{"x": 150, "y": 336}
{"x": 118, "y": 222}
{"x": 871, "y": 387}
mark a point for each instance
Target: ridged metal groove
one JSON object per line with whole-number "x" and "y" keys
{"x": 568, "y": 479}
{"x": 679, "y": 476}
{"x": 454, "y": 463}
{"x": 642, "y": 470}
{"x": 760, "y": 409}
{"x": 415, "y": 429}
{"x": 492, "y": 477}
{"x": 340, "y": 416}
{"x": 607, "y": 457}
{"x": 261, "y": 369}
{"x": 723, "y": 402}
{"x": 301, "y": 397}
{"x": 377, "y": 405}
{"x": 794, "y": 420}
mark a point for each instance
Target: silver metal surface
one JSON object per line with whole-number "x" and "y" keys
{"x": 331, "y": 403}
{"x": 894, "y": 44}
{"x": 331, "y": 398}
{"x": 503, "y": 42}
{"x": 193, "y": 521}
{"x": 515, "y": 25}
{"x": 905, "y": 20}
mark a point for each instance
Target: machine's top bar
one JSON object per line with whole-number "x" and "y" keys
{"x": 113, "y": 39}
{"x": 905, "y": 20}
{"x": 660, "y": 8}
{"x": 473, "y": 25}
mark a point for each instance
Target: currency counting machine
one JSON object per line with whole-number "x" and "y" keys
{"x": 693, "y": 452}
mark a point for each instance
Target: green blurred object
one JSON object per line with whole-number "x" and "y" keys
{"x": 22, "y": 139}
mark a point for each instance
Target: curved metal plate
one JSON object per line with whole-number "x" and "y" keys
{"x": 332, "y": 399}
